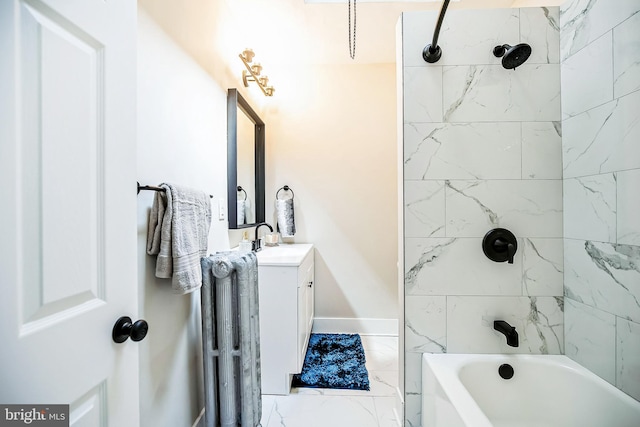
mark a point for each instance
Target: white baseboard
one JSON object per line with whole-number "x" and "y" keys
{"x": 345, "y": 325}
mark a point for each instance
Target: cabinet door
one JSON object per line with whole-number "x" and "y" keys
{"x": 303, "y": 337}
{"x": 305, "y": 313}
{"x": 310, "y": 301}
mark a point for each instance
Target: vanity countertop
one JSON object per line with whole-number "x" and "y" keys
{"x": 287, "y": 254}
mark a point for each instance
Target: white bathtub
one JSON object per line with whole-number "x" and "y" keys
{"x": 552, "y": 391}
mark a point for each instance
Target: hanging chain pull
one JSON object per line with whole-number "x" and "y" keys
{"x": 352, "y": 34}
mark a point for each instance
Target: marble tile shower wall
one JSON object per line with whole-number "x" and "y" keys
{"x": 600, "y": 65}
{"x": 482, "y": 149}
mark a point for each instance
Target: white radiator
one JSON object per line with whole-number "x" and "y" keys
{"x": 231, "y": 340}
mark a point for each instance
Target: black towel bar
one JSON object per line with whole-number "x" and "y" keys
{"x": 154, "y": 188}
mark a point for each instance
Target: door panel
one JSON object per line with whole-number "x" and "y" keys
{"x": 90, "y": 410}
{"x": 60, "y": 180}
{"x": 67, "y": 167}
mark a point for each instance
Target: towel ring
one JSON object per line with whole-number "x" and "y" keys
{"x": 286, "y": 188}
{"x": 242, "y": 189}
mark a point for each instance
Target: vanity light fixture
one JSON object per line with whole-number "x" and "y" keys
{"x": 252, "y": 73}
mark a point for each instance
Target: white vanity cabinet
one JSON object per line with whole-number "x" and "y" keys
{"x": 286, "y": 289}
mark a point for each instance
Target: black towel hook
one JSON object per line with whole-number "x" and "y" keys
{"x": 242, "y": 189}
{"x": 286, "y": 188}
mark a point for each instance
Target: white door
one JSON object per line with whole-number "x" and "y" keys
{"x": 68, "y": 206}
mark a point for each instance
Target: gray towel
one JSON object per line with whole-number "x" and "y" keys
{"x": 286, "y": 220}
{"x": 178, "y": 233}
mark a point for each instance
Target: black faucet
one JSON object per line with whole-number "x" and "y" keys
{"x": 255, "y": 245}
{"x": 508, "y": 331}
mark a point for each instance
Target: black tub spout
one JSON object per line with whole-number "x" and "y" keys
{"x": 508, "y": 331}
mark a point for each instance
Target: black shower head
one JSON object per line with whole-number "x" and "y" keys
{"x": 512, "y": 56}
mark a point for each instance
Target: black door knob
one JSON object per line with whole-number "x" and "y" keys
{"x": 123, "y": 329}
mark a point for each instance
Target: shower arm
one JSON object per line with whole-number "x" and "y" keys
{"x": 432, "y": 52}
{"x": 436, "y": 32}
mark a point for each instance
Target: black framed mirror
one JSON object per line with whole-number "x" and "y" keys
{"x": 245, "y": 163}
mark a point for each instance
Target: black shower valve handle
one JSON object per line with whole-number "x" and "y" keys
{"x": 500, "y": 245}
{"x": 511, "y": 251}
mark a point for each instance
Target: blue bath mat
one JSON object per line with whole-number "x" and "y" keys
{"x": 334, "y": 361}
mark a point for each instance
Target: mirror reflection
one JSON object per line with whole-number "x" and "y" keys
{"x": 246, "y": 167}
{"x": 245, "y": 163}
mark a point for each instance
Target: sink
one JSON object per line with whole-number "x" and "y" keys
{"x": 283, "y": 254}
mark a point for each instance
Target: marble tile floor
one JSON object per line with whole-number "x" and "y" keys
{"x": 307, "y": 407}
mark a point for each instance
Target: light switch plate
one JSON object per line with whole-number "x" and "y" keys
{"x": 222, "y": 209}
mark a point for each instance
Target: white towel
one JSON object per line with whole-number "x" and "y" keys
{"x": 286, "y": 220}
{"x": 249, "y": 217}
{"x": 178, "y": 233}
{"x": 240, "y": 212}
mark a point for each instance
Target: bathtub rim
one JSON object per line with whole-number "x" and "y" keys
{"x": 450, "y": 382}
{"x": 447, "y": 372}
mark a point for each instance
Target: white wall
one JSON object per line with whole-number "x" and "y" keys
{"x": 482, "y": 149}
{"x": 331, "y": 134}
{"x": 181, "y": 139}
{"x": 600, "y": 45}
